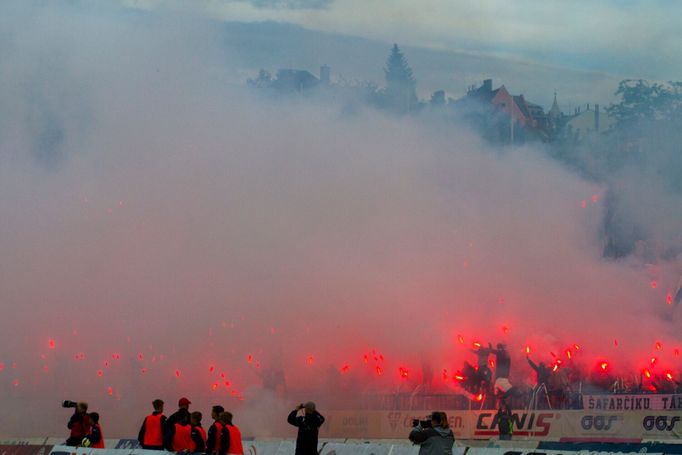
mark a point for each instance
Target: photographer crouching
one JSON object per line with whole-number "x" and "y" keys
{"x": 79, "y": 423}
{"x": 433, "y": 436}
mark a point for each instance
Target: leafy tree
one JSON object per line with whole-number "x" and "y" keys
{"x": 401, "y": 88}
{"x": 645, "y": 102}
{"x": 263, "y": 80}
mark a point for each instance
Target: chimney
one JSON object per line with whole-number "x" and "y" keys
{"x": 596, "y": 117}
{"x": 325, "y": 72}
{"x": 488, "y": 85}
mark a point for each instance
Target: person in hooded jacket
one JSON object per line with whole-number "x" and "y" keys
{"x": 437, "y": 440}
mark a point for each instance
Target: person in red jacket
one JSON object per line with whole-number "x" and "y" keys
{"x": 179, "y": 436}
{"x": 95, "y": 439}
{"x": 234, "y": 436}
{"x": 153, "y": 428}
{"x": 198, "y": 433}
{"x": 79, "y": 424}
{"x": 214, "y": 431}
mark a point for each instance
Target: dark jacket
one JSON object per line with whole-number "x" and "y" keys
{"x": 433, "y": 441}
{"x": 504, "y": 421}
{"x": 212, "y": 439}
{"x": 308, "y": 430}
{"x": 177, "y": 416}
{"x": 543, "y": 373}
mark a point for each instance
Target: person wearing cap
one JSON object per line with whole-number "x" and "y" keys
{"x": 308, "y": 421}
{"x": 181, "y": 413}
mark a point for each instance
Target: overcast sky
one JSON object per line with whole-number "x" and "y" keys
{"x": 629, "y": 38}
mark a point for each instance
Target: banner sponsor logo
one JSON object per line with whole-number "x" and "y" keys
{"x": 632, "y": 402}
{"x": 660, "y": 423}
{"x": 599, "y": 422}
{"x": 523, "y": 424}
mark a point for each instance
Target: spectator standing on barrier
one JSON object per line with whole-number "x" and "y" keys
{"x": 308, "y": 425}
{"x": 543, "y": 376}
{"x": 214, "y": 431}
{"x": 179, "y": 435}
{"x": 503, "y": 366}
{"x": 95, "y": 439}
{"x": 183, "y": 411}
{"x": 79, "y": 423}
{"x": 505, "y": 422}
{"x": 231, "y": 437}
{"x": 437, "y": 440}
{"x": 198, "y": 433}
{"x": 153, "y": 428}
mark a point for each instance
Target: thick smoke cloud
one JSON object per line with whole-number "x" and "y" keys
{"x": 151, "y": 211}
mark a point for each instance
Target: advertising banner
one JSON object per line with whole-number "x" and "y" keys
{"x": 547, "y": 425}
{"x": 632, "y": 402}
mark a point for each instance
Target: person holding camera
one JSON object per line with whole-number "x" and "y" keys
{"x": 79, "y": 423}
{"x": 433, "y": 436}
{"x": 308, "y": 424}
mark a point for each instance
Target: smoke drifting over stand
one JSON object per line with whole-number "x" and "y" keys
{"x": 159, "y": 227}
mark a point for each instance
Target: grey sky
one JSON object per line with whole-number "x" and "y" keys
{"x": 627, "y": 38}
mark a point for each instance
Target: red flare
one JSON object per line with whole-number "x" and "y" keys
{"x": 653, "y": 360}
{"x": 491, "y": 362}
{"x": 604, "y": 366}
{"x": 476, "y": 344}
{"x": 46, "y": 368}
{"x": 100, "y": 373}
{"x": 310, "y": 360}
{"x": 177, "y": 373}
{"x": 556, "y": 367}
{"x": 365, "y": 358}
{"x": 345, "y": 369}
{"x": 140, "y": 356}
{"x": 2, "y": 366}
{"x": 577, "y": 347}
{"x": 676, "y": 352}
{"x": 669, "y": 376}
{"x": 110, "y": 391}
{"x": 669, "y": 298}
{"x": 479, "y": 397}
{"x": 459, "y": 377}
{"x": 568, "y": 354}
{"x": 595, "y": 198}
{"x": 527, "y": 349}
{"x": 460, "y": 338}
{"x": 143, "y": 371}
{"x": 51, "y": 343}
{"x": 658, "y": 345}
{"x": 379, "y": 371}
{"x": 106, "y": 364}
{"x": 214, "y": 386}
{"x": 211, "y": 368}
{"x": 403, "y": 372}
{"x": 505, "y": 329}
{"x": 15, "y": 383}
{"x": 653, "y": 285}
{"x": 249, "y": 358}
{"x": 647, "y": 373}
